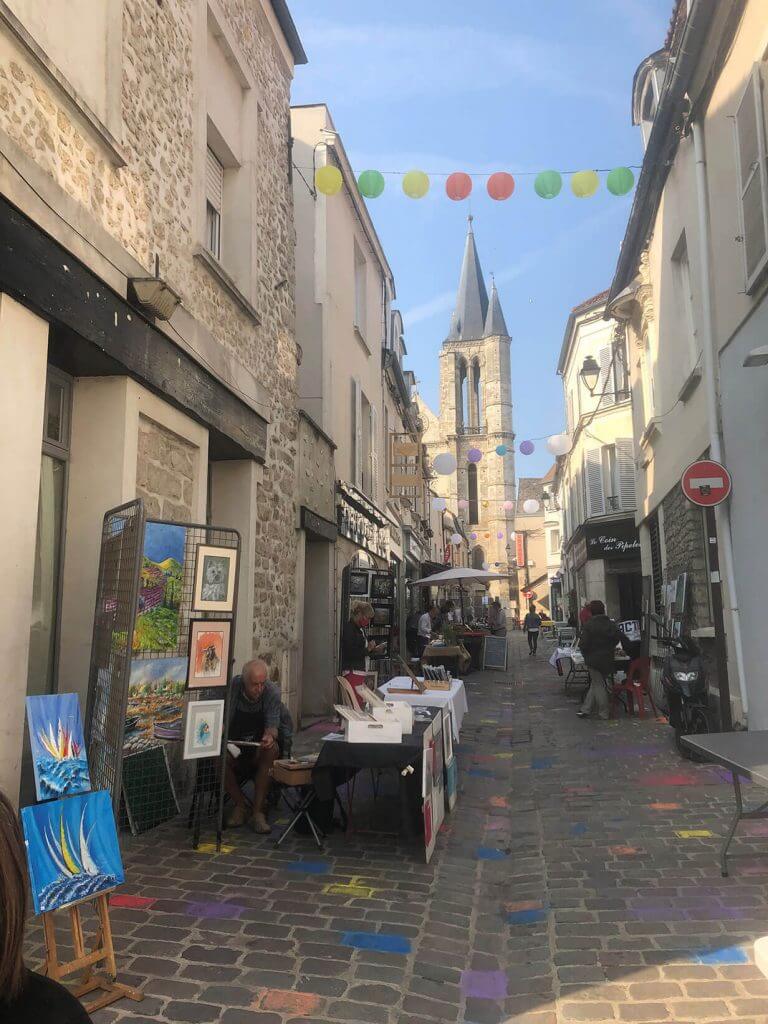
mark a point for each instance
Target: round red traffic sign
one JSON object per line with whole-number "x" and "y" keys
{"x": 706, "y": 482}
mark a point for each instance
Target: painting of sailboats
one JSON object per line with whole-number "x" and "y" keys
{"x": 58, "y": 747}
{"x": 72, "y": 850}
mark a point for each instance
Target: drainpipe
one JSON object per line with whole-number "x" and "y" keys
{"x": 710, "y": 382}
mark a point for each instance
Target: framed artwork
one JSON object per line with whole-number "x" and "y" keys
{"x": 358, "y": 583}
{"x": 208, "y": 653}
{"x": 215, "y": 571}
{"x": 383, "y": 587}
{"x": 382, "y": 615}
{"x": 155, "y": 706}
{"x": 72, "y": 850}
{"x": 160, "y": 588}
{"x": 58, "y": 747}
{"x": 204, "y": 728}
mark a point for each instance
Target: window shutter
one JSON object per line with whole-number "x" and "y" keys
{"x": 214, "y": 180}
{"x": 374, "y": 453}
{"x": 571, "y": 418}
{"x": 605, "y": 381}
{"x": 753, "y": 186}
{"x": 593, "y": 471}
{"x": 625, "y": 458}
{"x": 357, "y": 434}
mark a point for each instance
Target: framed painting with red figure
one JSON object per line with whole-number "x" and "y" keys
{"x": 208, "y": 653}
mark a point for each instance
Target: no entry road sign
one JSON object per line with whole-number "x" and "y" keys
{"x": 706, "y": 483}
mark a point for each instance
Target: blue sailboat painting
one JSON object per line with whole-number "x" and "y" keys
{"x": 58, "y": 747}
{"x": 72, "y": 850}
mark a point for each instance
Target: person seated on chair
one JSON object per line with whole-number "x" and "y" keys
{"x": 255, "y": 711}
{"x": 355, "y": 645}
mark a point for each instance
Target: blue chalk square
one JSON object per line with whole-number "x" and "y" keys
{"x": 538, "y": 763}
{"x": 377, "y": 941}
{"x": 490, "y": 853}
{"x": 579, "y": 828}
{"x": 527, "y": 916}
{"x": 481, "y": 773}
{"x": 310, "y": 867}
{"x": 725, "y": 955}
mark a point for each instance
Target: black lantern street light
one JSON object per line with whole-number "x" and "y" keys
{"x": 590, "y": 374}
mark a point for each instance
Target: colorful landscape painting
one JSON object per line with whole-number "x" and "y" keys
{"x": 160, "y": 588}
{"x": 155, "y": 702}
{"x": 58, "y": 746}
{"x": 72, "y": 850}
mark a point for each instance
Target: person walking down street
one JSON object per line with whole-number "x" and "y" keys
{"x": 599, "y": 637}
{"x": 532, "y": 627}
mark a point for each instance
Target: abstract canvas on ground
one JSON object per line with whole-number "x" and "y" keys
{"x": 72, "y": 850}
{"x": 58, "y": 747}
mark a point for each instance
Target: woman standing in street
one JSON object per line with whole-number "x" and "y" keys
{"x": 532, "y": 626}
{"x": 355, "y": 645}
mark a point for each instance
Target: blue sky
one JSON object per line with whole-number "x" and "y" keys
{"x": 512, "y": 85}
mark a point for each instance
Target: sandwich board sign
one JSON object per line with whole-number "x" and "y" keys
{"x": 706, "y": 483}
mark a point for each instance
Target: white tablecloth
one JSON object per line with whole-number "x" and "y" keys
{"x": 561, "y": 653}
{"x": 455, "y": 698}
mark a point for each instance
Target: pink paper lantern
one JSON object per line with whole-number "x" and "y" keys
{"x": 508, "y": 506}
{"x": 462, "y": 503}
{"x": 500, "y": 185}
{"x": 458, "y": 186}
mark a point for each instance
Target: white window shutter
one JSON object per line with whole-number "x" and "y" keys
{"x": 357, "y": 433}
{"x": 593, "y": 471}
{"x": 625, "y": 459}
{"x": 605, "y": 380}
{"x": 374, "y": 453}
{"x": 214, "y": 180}
{"x": 753, "y": 183}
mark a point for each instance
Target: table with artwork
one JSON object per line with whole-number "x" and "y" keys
{"x": 455, "y": 698}
{"x": 449, "y": 655}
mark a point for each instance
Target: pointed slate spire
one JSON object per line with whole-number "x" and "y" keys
{"x": 472, "y": 298}
{"x": 453, "y": 330}
{"x": 495, "y": 324}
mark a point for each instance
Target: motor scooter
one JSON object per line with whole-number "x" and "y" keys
{"x": 684, "y": 682}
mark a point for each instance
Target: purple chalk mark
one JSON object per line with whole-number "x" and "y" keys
{"x": 662, "y": 914}
{"x": 214, "y": 910}
{"x": 484, "y": 984}
{"x": 497, "y": 826}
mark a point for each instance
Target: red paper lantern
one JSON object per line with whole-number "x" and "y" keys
{"x": 500, "y": 185}
{"x": 458, "y": 186}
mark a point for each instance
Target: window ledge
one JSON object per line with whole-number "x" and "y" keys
{"x": 652, "y": 430}
{"x": 361, "y": 338}
{"x": 115, "y": 150}
{"x": 214, "y": 266}
{"x": 690, "y": 384}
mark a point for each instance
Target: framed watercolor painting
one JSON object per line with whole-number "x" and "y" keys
{"x": 204, "y": 728}
{"x": 72, "y": 850}
{"x": 208, "y": 653}
{"x": 58, "y": 747}
{"x": 215, "y": 571}
{"x": 155, "y": 706}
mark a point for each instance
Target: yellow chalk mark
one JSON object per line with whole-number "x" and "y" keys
{"x": 694, "y": 833}
{"x": 504, "y": 757}
{"x": 211, "y": 848}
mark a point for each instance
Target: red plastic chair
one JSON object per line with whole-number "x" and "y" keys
{"x": 636, "y": 687}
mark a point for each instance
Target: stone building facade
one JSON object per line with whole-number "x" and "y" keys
{"x": 112, "y": 117}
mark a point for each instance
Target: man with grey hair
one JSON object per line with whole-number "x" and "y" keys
{"x": 254, "y": 719}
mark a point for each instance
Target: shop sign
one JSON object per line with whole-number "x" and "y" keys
{"x": 612, "y": 540}
{"x": 362, "y": 527}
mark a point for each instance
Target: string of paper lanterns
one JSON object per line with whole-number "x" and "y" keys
{"x": 500, "y": 185}
{"x": 556, "y": 444}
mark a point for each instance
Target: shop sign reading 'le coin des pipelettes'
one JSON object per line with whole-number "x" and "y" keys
{"x": 612, "y": 540}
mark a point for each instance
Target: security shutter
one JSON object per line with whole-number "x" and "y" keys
{"x": 605, "y": 381}
{"x": 214, "y": 180}
{"x": 593, "y": 472}
{"x": 625, "y": 458}
{"x": 753, "y": 186}
{"x": 357, "y": 434}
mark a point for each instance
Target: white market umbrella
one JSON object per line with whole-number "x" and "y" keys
{"x": 461, "y": 577}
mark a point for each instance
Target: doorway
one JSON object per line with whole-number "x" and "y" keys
{"x": 630, "y": 587}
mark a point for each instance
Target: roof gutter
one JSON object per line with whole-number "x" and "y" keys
{"x": 662, "y": 145}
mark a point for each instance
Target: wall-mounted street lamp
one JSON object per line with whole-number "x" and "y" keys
{"x": 590, "y": 374}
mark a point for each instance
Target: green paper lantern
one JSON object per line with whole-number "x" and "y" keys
{"x": 328, "y": 180}
{"x": 415, "y": 184}
{"x": 371, "y": 184}
{"x": 620, "y": 181}
{"x": 548, "y": 184}
{"x": 584, "y": 184}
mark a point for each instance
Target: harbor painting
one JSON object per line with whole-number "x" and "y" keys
{"x": 155, "y": 702}
{"x": 160, "y": 588}
{"x": 72, "y": 850}
{"x": 58, "y": 747}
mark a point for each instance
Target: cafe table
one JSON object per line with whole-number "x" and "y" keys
{"x": 455, "y": 698}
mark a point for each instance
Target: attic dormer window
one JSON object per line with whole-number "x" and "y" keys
{"x": 648, "y": 87}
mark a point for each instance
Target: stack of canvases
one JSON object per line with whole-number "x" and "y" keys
{"x": 439, "y": 776}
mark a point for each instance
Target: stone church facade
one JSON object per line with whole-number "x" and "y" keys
{"x": 474, "y": 423}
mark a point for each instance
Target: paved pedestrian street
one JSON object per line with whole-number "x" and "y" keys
{"x": 576, "y": 880}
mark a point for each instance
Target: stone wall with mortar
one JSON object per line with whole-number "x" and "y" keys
{"x": 685, "y": 552}
{"x": 149, "y": 206}
{"x": 165, "y": 471}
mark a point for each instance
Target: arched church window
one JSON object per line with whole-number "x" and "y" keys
{"x": 478, "y": 558}
{"x": 462, "y": 397}
{"x": 477, "y": 396}
{"x": 472, "y": 492}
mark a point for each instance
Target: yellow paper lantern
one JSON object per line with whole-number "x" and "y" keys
{"x": 584, "y": 184}
{"x": 328, "y": 180}
{"x": 415, "y": 184}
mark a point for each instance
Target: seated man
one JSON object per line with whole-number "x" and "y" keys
{"x": 255, "y": 716}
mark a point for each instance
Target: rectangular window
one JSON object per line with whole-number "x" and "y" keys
{"x": 361, "y": 289}
{"x": 610, "y": 480}
{"x": 752, "y": 165}
{"x": 625, "y": 473}
{"x": 554, "y": 542}
{"x": 214, "y": 202}
{"x": 606, "y": 383}
{"x": 366, "y": 423}
{"x": 681, "y": 268}
{"x": 356, "y": 447}
{"x": 594, "y": 487}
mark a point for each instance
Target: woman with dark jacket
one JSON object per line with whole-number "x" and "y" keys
{"x": 355, "y": 645}
{"x": 599, "y": 637}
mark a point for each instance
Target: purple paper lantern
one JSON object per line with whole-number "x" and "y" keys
{"x": 473, "y": 536}
{"x": 527, "y": 448}
{"x": 500, "y": 535}
{"x": 474, "y": 455}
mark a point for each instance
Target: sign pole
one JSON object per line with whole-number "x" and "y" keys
{"x": 716, "y": 589}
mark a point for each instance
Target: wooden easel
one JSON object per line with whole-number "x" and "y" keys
{"x": 416, "y": 687}
{"x": 101, "y": 952}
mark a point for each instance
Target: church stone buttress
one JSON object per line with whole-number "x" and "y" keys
{"x": 476, "y": 412}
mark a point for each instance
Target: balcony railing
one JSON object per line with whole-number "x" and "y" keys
{"x": 612, "y": 503}
{"x": 463, "y": 428}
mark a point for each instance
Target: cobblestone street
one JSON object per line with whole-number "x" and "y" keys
{"x": 576, "y": 880}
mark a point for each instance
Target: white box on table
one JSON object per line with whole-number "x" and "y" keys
{"x": 393, "y": 710}
{"x": 362, "y": 728}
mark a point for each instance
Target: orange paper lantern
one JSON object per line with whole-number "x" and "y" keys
{"x": 500, "y": 185}
{"x": 458, "y": 186}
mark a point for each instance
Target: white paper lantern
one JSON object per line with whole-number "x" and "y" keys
{"x": 439, "y": 504}
{"x": 486, "y": 566}
{"x": 559, "y": 444}
{"x": 530, "y": 506}
{"x": 456, "y": 539}
{"x": 444, "y": 463}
